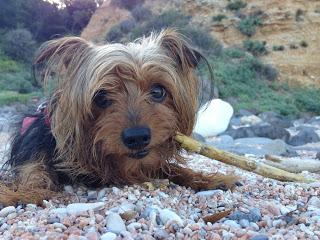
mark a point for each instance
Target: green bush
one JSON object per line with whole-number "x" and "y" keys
{"x": 235, "y": 52}
{"x": 115, "y": 34}
{"x": 167, "y": 19}
{"x": 7, "y": 64}
{"x": 219, "y": 17}
{"x": 248, "y": 25}
{"x": 128, "y": 4}
{"x": 299, "y": 15}
{"x": 19, "y": 45}
{"x": 127, "y": 25}
{"x": 203, "y": 40}
{"x": 236, "y": 5}
{"x": 303, "y": 44}
{"x": 140, "y": 13}
{"x": 257, "y": 48}
{"x": 8, "y": 97}
{"x": 17, "y": 81}
{"x": 278, "y": 48}
{"x": 307, "y": 99}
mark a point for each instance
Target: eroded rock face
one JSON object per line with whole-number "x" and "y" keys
{"x": 286, "y": 24}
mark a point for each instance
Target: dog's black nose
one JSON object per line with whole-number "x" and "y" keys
{"x": 136, "y": 137}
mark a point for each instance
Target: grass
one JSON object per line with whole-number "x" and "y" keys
{"x": 243, "y": 79}
{"x": 9, "y": 97}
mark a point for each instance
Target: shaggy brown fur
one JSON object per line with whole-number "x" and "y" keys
{"x": 100, "y": 92}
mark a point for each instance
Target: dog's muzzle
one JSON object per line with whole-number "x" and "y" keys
{"x": 137, "y": 138}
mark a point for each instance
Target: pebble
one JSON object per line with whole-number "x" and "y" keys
{"x": 133, "y": 226}
{"x": 115, "y": 223}
{"x": 7, "y": 210}
{"x": 108, "y": 236}
{"x": 314, "y": 201}
{"x": 210, "y": 193}
{"x": 167, "y": 215}
{"x": 244, "y": 223}
{"x": 260, "y": 237}
{"x": 92, "y": 195}
{"x": 277, "y": 223}
{"x": 232, "y": 223}
{"x": 161, "y": 234}
{"x": 12, "y": 215}
{"x": 68, "y": 189}
{"x": 78, "y": 208}
{"x": 101, "y": 194}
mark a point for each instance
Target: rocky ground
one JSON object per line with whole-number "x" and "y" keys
{"x": 260, "y": 209}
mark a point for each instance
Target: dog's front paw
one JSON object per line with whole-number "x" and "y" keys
{"x": 217, "y": 181}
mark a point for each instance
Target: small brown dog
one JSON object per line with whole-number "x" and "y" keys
{"x": 111, "y": 118}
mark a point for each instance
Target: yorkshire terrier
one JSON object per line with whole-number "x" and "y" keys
{"x": 111, "y": 118}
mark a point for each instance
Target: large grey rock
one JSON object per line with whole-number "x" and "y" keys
{"x": 275, "y": 119}
{"x": 259, "y": 130}
{"x": 304, "y": 136}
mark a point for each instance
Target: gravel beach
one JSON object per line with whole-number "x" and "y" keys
{"x": 260, "y": 209}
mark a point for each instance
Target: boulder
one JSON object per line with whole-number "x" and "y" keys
{"x": 304, "y": 136}
{"x": 213, "y": 118}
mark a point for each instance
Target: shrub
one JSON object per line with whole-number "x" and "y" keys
{"x": 248, "y": 25}
{"x": 236, "y": 5}
{"x": 257, "y": 48}
{"x": 18, "y": 81}
{"x": 293, "y": 46}
{"x": 128, "y": 4}
{"x": 235, "y": 52}
{"x": 307, "y": 99}
{"x": 127, "y": 25}
{"x": 219, "y": 17}
{"x": 269, "y": 72}
{"x": 114, "y": 34}
{"x": 299, "y": 15}
{"x": 167, "y": 19}
{"x": 140, "y": 13}
{"x": 203, "y": 40}
{"x": 278, "y": 48}
{"x": 19, "y": 45}
{"x": 303, "y": 44}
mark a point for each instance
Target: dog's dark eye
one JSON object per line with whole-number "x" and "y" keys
{"x": 158, "y": 93}
{"x": 101, "y": 100}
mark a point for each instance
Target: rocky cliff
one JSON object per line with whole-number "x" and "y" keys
{"x": 291, "y": 24}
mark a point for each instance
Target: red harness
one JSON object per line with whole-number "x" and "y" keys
{"x": 27, "y": 121}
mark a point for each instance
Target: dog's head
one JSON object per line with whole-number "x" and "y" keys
{"x": 118, "y": 106}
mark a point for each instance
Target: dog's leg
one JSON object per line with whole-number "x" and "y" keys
{"x": 199, "y": 181}
{"x": 31, "y": 185}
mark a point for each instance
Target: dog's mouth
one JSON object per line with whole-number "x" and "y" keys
{"x": 139, "y": 154}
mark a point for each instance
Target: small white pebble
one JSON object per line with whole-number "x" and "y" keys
{"x": 115, "y": 223}
{"x": 108, "y": 236}
{"x": 134, "y": 226}
{"x": 7, "y": 210}
{"x": 168, "y": 215}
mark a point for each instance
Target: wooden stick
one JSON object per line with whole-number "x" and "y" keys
{"x": 293, "y": 165}
{"x": 250, "y": 165}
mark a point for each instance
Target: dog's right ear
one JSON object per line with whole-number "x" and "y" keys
{"x": 58, "y": 54}
{"x": 179, "y": 49}
{"x": 64, "y": 48}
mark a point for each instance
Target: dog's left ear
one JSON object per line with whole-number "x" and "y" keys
{"x": 179, "y": 49}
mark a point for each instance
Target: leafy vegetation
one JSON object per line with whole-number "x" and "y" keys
{"x": 248, "y": 25}
{"x": 278, "y": 48}
{"x": 24, "y": 25}
{"x": 219, "y": 17}
{"x": 236, "y": 5}
{"x": 257, "y": 48}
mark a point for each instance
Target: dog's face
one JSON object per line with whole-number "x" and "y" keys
{"x": 121, "y": 105}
